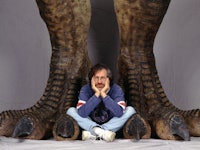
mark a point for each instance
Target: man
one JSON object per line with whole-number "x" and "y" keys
{"x": 101, "y": 110}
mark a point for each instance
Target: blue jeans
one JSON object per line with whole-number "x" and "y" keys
{"x": 114, "y": 124}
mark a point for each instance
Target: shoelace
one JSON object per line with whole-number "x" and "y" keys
{"x": 98, "y": 138}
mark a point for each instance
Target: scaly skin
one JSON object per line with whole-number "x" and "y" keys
{"x": 8, "y": 121}
{"x": 192, "y": 119}
{"x": 68, "y": 24}
{"x": 139, "y": 21}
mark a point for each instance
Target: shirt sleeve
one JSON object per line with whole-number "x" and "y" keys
{"x": 115, "y": 101}
{"x": 87, "y": 102}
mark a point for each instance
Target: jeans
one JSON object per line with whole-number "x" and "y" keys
{"x": 114, "y": 124}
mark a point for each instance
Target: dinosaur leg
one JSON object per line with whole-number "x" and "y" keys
{"x": 68, "y": 23}
{"x": 139, "y": 21}
{"x": 42, "y": 114}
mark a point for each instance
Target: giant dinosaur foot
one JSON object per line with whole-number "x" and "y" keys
{"x": 66, "y": 128}
{"x": 30, "y": 127}
{"x": 136, "y": 128}
{"x": 68, "y": 23}
{"x": 172, "y": 127}
{"x": 139, "y": 21}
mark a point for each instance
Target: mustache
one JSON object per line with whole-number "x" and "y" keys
{"x": 99, "y": 84}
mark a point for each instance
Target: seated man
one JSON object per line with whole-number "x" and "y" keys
{"x": 101, "y": 110}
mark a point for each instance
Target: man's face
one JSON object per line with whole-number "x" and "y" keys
{"x": 100, "y": 78}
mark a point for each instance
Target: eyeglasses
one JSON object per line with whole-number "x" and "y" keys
{"x": 99, "y": 78}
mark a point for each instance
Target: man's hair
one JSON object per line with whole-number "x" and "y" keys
{"x": 99, "y": 67}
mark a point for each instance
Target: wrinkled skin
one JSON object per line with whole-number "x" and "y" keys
{"x": 139, "y": 21}
{"x": 7, "y": 124}
{"x": 68, "y": 24}
{"x": 68, "y": 70}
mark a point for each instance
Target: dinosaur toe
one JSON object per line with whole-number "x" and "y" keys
{"x": 66, "y": 128}
{"x": 179, "y": 128}
{"x": 23, "y": 128}
{"x": 172, "y": 127}
{"x": 136, "y": 128}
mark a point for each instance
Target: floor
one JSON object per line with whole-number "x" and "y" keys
{"x": 118, "y": 144}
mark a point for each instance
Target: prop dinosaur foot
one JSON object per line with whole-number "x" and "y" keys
{"x": 66, "y": 128}
{"x": 29, "y": 127}
{"x": 136, "y": 128}
{"x": 173, "y": 128}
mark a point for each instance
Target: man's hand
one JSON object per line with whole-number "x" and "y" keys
{"x": 96, "y": 90}
{"x": 105, "y": 88}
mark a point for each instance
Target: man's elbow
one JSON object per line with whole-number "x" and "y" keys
{"x": 82, "y": 114}
{"x": 119, "y": 114}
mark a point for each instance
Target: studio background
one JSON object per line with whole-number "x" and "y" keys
{"x": 25, "y": 51}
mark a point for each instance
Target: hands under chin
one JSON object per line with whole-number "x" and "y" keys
{"x": 101, "y": 92}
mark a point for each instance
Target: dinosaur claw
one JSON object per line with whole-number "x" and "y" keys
{"x": 172, "y": 127}
{"x": 65, "y": 128}
{"x": 136, "y": 128}
{"x": 178, "y": 127}
{"x": 23, "y": 128}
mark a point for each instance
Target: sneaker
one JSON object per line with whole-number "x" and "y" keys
{"x": 86, "y": 135}
{"x": 106, "y": 135}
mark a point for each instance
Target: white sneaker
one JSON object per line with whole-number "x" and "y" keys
{"x": 86, "y": 135}
{"x": 106, "y": 135}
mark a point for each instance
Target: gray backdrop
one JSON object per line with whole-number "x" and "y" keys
{"x": 25, "y": 51}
